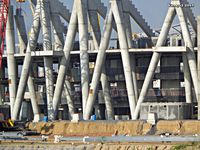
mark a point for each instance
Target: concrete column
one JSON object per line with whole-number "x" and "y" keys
{"x": 59, "y": 43}
{"x": 128, "y": 29}
{"x": 23, "y": 41}
{"x": 32, "y": 3}
{"x": 198, "y": 59}
{"x": 98, "y": 66}
{"x": 190, "y": 51}
{"x": 70, "y": 102}
{"x": 132, "y": 56}
{"x": 33, "y": 96}
{"x": 58, "y": 32}
{"x": 187, "y": 79}
{"x": 84, "y": 57}
{"x": 106, "y": 93}
{"x": 10, "y": 47}
{"x": 95, "y": 27}
{"x": 27, "y": 61}
{"x": 21, "y": 30}
{"x": 116, "y": 7}
{"x": 96, "y": 34}
{"x": 48, "y": 61}
{"x": 155, "y": 58}
{"x": 64, "y": 63}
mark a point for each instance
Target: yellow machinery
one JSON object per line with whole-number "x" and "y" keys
{"x": 20, "y": 1}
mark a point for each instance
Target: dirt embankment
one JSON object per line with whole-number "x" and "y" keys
{"x": 108, "y": 128}
{"x": 95, "y": 128}
{"x": 184, "y": 127}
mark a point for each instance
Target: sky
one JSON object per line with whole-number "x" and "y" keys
{"x": 154, "y": 11}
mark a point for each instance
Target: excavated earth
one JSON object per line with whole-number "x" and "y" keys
{"x": 107, "y": 128}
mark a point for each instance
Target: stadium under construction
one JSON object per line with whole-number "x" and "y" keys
{"x": 69, "y": 66}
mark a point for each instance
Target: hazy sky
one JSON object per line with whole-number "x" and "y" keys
{"x": 154, "y": 11}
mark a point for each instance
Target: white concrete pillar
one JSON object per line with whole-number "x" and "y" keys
{"x": 187, "y": 79}
{"x": 84, "y": 57}
{"x": 95, "y": 27}
{"x": 116, "y": 7}
{"x": 190, "y": 51}
{"x": 27, "y": 61}
{"x": 98, "y": 66}
{"x": 155, "y": 58}
{"x": 58, "y": 32}
{"x": 106, "y": 93}
{"x": 21, "y": 31}
{"x": 64, "y": 63}
{"x": 48, "y": 61}
{"x": 68, "y": 94}
{"x": 132, "y": 56}
{"x": 96, "y": 35}
{"x": 23, "y": 41}
{"x": 10, "y": 47}
{"x": 59, "y": 44}
{"x": 33, "y": 96}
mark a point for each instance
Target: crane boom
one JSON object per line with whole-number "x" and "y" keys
{"x": 4, "y": 7}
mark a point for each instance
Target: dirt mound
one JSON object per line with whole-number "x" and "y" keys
{"x": 190, "y": 127}
{"x": 109, "y": 128}
{"x": 91, "y": 128}
{"x": 168, "y": 126}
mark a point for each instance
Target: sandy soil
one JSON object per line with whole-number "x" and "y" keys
{"x": 109, "y": 128}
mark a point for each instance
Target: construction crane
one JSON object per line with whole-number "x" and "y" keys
{"x": 4, "y": 10}
{"x": 4, "y": 7}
